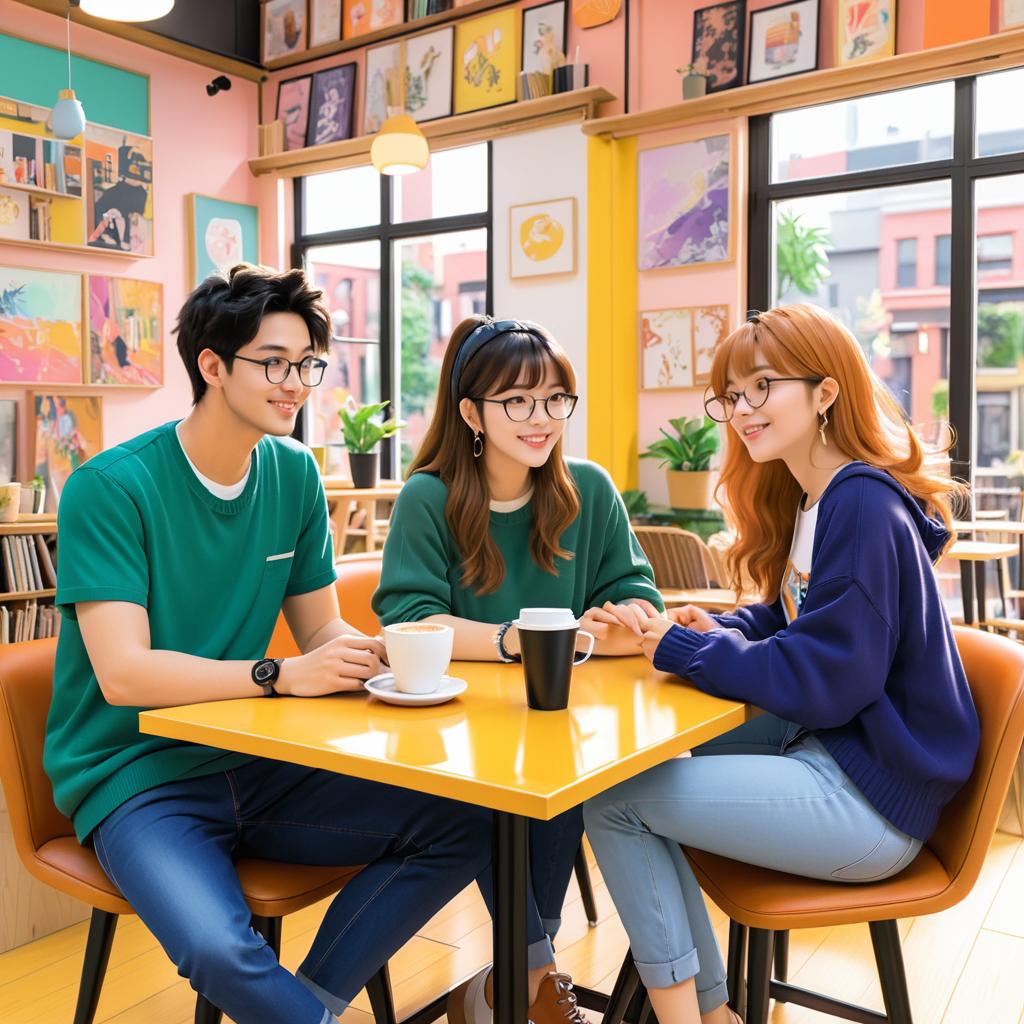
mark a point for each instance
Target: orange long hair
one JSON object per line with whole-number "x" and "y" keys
{"x": 447, "y": 450}
{"x": 864, "y": 423}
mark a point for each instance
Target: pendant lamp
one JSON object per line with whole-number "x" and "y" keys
{"x": 127, "y": 10}
{"x": 399, "y": 147}
{"x": 68, "y": 117}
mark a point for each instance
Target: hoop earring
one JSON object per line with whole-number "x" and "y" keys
{"x": 478, "y": 445}
{"x": 821, "y": 428}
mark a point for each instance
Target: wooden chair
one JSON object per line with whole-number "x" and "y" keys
{"x": 358, "y": 578}
{"x": 680, "y": 559}
{"x": 769, "y": 904}
{"x": 48, "y": 849}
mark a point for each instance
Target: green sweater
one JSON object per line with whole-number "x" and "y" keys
{"x": 422, "y": 565}
{"x": 137, "y": 525}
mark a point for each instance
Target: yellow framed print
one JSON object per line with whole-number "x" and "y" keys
{"x": 486, "y": 60}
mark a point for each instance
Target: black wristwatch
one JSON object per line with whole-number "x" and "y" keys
{"x": 499, "y": 643}
{"x": 265, "y": 673}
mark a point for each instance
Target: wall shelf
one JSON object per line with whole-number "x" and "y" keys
{"x": 27, "y": 595}
{"x": 92, "y": 250}
{"x": 445, "y": 133}
{"x": 35, "y": 190}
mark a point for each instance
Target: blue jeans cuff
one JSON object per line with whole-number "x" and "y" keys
{"x": 712, "y": 998}
{"x": 540, "y": 954}
{"x": 334, "y": 1004}
{"x": 671, "y": 973}
{"x": 551, "y": 926}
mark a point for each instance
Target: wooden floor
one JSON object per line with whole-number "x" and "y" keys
{"x": 965, "y": 966}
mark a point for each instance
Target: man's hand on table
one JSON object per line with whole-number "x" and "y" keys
{"x": 340, "y": 665}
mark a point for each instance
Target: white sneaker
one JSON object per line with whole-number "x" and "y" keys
{"x": 467, "y": 1004}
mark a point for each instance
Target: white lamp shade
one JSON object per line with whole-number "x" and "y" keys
{"x": 399, "y": 147}
{"x": 68, "y": 118}
{"x": 127, "y": 10}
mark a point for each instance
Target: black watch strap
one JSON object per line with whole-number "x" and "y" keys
{"x": 265, "y": 673}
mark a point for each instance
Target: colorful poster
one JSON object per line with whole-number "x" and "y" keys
{"x": 119, "y": 187}
{"x": 783, "y": 41}
{"x": 718, "y": 43}
{"x": 544, "y": 37}
{"x": 14, "y": 215}
{"x": 383, "y": 85}
{"x": 284, "y": 28}
{"x": 666, "y": 348}
{"x": 362, "y": 16}
{"x": 293, "y": 110}
{"x": 221, "y": 234}
{"x": 542, "y": 238}
{"x": 486, "y": 60}
{"x": 710, "y": 329}
{"x": 125, "y": 332}
{"x": 865, "y": 30}
{"x": 40, "y": 327}
{"x": 324, "y": 22}
{"x": 428, "y": 74}
{"x": 332, "y": 106}
{"x": 685, "y": 195}
{"x": 68, "y": 431}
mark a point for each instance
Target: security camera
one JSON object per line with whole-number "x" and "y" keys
{"x": 220, "y": 84}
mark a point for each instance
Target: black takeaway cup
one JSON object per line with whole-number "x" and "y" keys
{"x": 547, "y": 641}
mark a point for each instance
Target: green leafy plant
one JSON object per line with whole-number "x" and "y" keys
{"x": 38, "y": 483}
{"x": 693, "y": 68}
{"x": 801, "y": 255}
{"x": 690, "y": 449}
{"x": 636, "y": 503}
{"x": 362, "y": 427}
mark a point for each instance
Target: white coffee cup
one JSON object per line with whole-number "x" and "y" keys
{"x": 419, "y": 654}
{"x": 546, "y": 618}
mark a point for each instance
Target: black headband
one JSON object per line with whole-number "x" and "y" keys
{"x": 478, "y": 337}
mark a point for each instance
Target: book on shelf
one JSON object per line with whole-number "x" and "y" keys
{"x": 271, "y": 138}
{"x": 49, "y": 570}
{"x": 33, "y": 622}
{"x": 28, "y": 564}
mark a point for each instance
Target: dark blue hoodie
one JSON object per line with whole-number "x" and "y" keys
{"x": 870, "y": 665}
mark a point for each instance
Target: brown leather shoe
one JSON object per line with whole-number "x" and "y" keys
{"x": 556, "y": 1002}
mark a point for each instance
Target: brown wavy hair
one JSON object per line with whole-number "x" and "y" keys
{"x": 864, "y": 422}
{"x": 512, "y": 358}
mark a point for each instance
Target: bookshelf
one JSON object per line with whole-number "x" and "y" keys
{"x": 28, "y": 580}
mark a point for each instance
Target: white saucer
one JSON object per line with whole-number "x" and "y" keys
{"x": 383, "y": 688}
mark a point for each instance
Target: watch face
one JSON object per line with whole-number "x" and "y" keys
{"x": 264, "y": 671}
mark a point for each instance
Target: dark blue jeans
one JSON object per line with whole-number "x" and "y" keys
{"x": 170, "y": 851}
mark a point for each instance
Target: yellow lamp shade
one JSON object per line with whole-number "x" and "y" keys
{"x": 399, "y": 147}
{"x": 127, "y": 10}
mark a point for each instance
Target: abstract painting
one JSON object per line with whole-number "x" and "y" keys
{"x": 783, "y": 41}
{"x": 383, "y": 84}
{"x": 40, "y": 327}
{"x": 542, "y": 238}
{"x": 718, "y": 43}
{"x": 710, "y": 329}
{"x": 8, "y": 440}
{"x": 363, "y": 16}
{"x": 126, "y": 343}
{"x": 293, "y": 110}
{"x": 486, "y": 60}
{"x": 324, "y": 22}
{"x": 865, "y": 30}
{"x": 686, "y": 194}
{"x": 332, "y": 106}
{"x": 666, "y": 348}
{"x": 68, "y": 431}
{"x": 284, "y": 28}
{"x": 221, "y": 234}
{"x": 428, "y": 74}
{"x": 544, "y": 32}
{"x": 119, "y": 191}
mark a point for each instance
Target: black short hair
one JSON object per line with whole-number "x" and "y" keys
{"x": 226, "y": 310}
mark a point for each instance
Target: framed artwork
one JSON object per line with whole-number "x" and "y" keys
{"x": 666, "y": 348}
{"x": 8, "y": 440}
{"x": 383, "y": 84}
{"x": 783, "y": 41}
{"x": 293, "y": 110}
{"x": 718, "y": 43}
{"x": 865, "y": 30}
{"x": 126, "y": 342}
{"x": 362, "y": 16}
{"x": 68, "y": 431}
{"x": 324, "y": 22}
{"x": 332, "y": 107}
{"x": 40, "y": 327}
{"x": 284, "y": 28}
{"x": 1009, "y": 14}
{"x": 221, "y": 233}
{"x": 486, "y": 60}
{"x": 686, "y": 195}
{"x": 119, "y": 191}
{"x": 710, "y": 329}
{"x": 545, "y": 29}
{"x": 14, "y": 215}
{"x": 428, "y": 74}
{"x": 542, "y": 238}
{"x": 591, "y": 13}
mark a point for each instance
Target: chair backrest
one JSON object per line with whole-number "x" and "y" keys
{"x": 26, "y": 686}
{"x": 680, "y": 559}
{"x": 995, "y": 673}
{"x": 357, "y": 579}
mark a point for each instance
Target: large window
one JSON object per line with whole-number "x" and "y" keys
{"x": 401, "y": 261}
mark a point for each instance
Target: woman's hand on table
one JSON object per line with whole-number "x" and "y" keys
{"x": 617, "y": 628}
{"x": 693, "y": 618}
{"x": 654, "y": 630}
{"x": 341, "y": 664}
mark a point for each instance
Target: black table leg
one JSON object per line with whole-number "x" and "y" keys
{"x": 979, "y": 590}
{"x": 967, "y": 591}
{"x": 511, "y": 857}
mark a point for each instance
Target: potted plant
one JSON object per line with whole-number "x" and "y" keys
{"x": 695, "y": 80}
{"x": 363, "y": 429}
{"x": 10, "y": 502}
{"x": 33, "y": 495}
{"x": 686, "y": 455}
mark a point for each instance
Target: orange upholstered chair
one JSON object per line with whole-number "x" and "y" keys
{"x": 48, "y": 849}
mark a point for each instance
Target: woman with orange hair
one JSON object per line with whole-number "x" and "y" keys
{"x": 869, "y": 727}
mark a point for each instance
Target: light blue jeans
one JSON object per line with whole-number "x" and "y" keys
{"x": 772, "y": 796}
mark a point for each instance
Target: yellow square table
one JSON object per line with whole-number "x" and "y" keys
{"x": 485, "y": 748}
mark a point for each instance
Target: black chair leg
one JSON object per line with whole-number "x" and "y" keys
{"x": 737, "y": 962}
{"x": 378, "y": 988}
{"x": 885, "y": 938}
{"x": 759, "y": 972}
{"x": 586, "y": 886}
{"x": 94, "y": 966}
{"x": 782, "y": 956}
{"x": 646, "y": 1015}
{"x": 626, "y": 986}
{"x": 206, "y": 1012}
{"x": 639, "y": 1007}
{"x": 270, "y": 929}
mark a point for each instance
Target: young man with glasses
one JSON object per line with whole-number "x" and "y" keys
{"x": 178, "y": 549}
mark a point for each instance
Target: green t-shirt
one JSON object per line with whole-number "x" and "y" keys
{"x": 136, "y": 524}
{"x": 422, "y": 564}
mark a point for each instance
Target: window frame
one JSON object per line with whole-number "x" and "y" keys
{"x": 900, "y": 263}
{"x": 386, "y": 233}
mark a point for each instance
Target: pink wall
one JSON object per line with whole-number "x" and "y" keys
{"x": 200, "y": 144}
